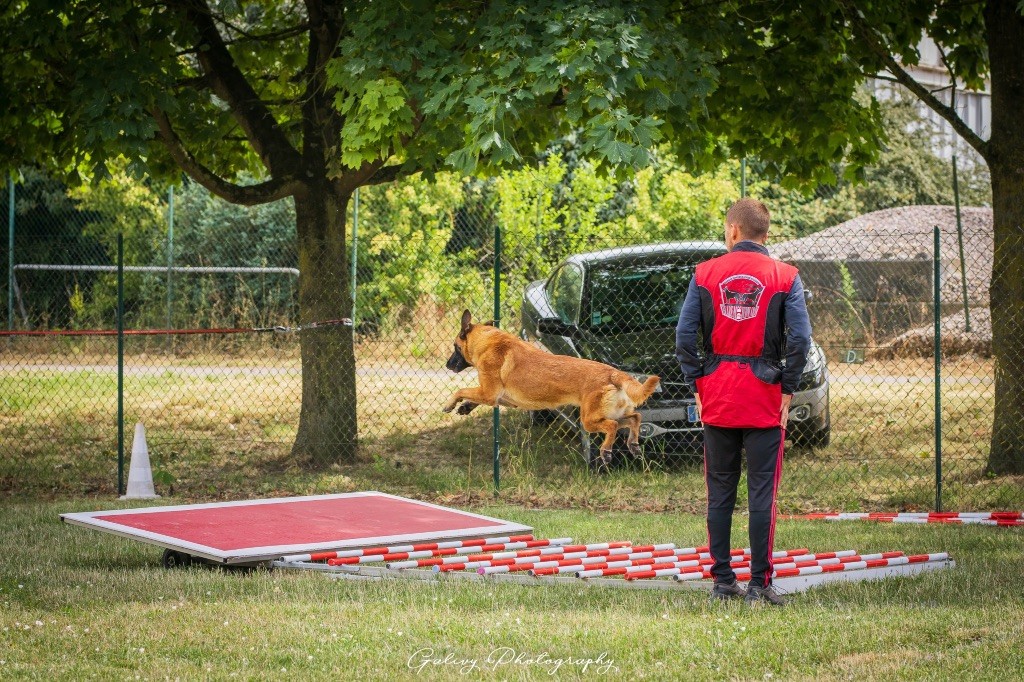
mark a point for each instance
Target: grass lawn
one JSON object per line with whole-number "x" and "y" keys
{"x": 221, "y": 426}
{"x": 77, "y": 605}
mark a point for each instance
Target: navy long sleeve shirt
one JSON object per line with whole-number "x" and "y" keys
{"x": 795, "y": 318}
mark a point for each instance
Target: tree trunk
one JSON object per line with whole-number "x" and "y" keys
{"x": 327, "y": 421}
{"x": 1005, "y": 28}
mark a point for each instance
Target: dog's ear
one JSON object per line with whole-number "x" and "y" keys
{"x": 466, "y": 324}
{"x": 488, "y": 323}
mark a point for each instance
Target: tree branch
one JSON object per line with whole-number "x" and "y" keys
{"x": 877, "y": 45}
{"x": 198, "y": 82}
{"x": 321, "y": 121}
{"x": 882, "y": 77}
{"x": 385, "y": 174}
{"x": 247, "y": 195}
{"x": 229, "y": 83}
{"x": 272, "y": 35}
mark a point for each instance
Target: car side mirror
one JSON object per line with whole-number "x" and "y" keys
{"x": 552, "y": 326}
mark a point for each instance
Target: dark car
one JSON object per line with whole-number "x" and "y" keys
{"x": 620, "y": 307}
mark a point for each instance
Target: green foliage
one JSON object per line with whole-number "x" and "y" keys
{"x": 50, "y": 225}
{"x": 120, "y": 204}
{"x": 425, "y": 247}
{"x": 850, "y": 318}
{"x": 424, "y": 84}
{"x": 211, "y": 232}
{"x": 488, "y": 85}
{"x": 58, "y": 225}
{"x": 908, "y": 172}
{"x": 406, "y": 262}
{"x": 673, "y": 204}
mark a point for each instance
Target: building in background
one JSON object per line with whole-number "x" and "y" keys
{"x": 973, "y": 106}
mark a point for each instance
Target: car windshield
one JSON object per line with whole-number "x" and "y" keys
{"x": 637, "y": 295}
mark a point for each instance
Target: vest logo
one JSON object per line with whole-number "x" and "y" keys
{"x": 740, "y": 297}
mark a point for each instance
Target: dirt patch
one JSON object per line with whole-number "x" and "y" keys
{"x": 955, "y": 340}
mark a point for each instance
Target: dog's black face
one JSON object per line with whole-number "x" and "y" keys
{"x": 457, "y": 362}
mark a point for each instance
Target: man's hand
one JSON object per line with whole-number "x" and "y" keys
{"x": 784, "y": 414}
{"x": 697, "y": 398}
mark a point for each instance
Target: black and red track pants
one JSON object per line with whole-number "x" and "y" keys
{"x": 722, "y": 452}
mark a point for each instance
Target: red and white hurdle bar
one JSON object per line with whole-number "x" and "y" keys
{"x": 532, "y": 561}
{"x": 535, "y": 565}
{"x": 795, "y": 557}
{"x": 783, "y": 567}
{"x": 372, "y": 551}
{"x": 1006, "y": 518}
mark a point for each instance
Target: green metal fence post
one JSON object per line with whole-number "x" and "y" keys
{"x": 10, "y": 254}
{"x": 120, "y": 363}
{"x": 170, "y": 262}
{"x": 355, "y": 246}
{"x": 937, "y": 294}
{"x": 496, "y": 427}
{"x": 743, "y": 177}
{"x": 960, "y": 241}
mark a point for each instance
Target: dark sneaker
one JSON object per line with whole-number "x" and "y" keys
{"x": 758, "y": 595}
{"x": 727, "y": 591}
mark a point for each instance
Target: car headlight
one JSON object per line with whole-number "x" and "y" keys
{"x": 815, "y": 359}
{"x": 814, "y": 371}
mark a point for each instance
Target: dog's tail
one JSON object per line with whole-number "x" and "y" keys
{"x": 639, "y": 393}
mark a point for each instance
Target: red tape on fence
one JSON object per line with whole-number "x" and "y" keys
{"x": 176, "y": 332}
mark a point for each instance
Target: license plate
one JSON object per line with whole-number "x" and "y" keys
{"x": 691, "y": 413}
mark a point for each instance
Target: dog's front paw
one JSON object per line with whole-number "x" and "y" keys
{"x": 467, "y": 407}
{"x": 449, "y": 407}
{"x": 634, "y": 449}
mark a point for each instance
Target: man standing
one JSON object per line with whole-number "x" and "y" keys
{"x": 747, "y": 313}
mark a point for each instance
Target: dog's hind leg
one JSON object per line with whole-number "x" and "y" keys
{"x": 633, "y": 422}
{"x": 594, "y": 421}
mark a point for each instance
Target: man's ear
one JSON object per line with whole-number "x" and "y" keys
{"x": 466, "y": 324}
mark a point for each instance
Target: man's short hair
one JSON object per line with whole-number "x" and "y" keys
{"x": 751, "y": 216}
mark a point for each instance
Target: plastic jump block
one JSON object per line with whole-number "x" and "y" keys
{"x": 323, "y": 556}
{"x": 447, "y": 551}
{"x": 626, "y": 568}
{"x": 530, "y": 561}
{"x": 571, "y": 564}
{"x": 1003, "y": 518}
{"x": 851, "y": 566}
{"x": 545, "y": 568}
{"x": 623, "y": 567}
{"x": 658, "y": 571}
{"x": 610, "y": 547}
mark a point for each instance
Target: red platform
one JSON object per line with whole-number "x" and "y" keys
{"x": 259, "y": 530}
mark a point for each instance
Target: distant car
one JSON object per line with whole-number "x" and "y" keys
{"x": 620, "y": 306}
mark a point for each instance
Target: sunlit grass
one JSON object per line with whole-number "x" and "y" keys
{"x": 81, "y": 605}
{"x": 223, "y": 427}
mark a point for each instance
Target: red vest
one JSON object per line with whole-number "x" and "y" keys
{"x": 745, "y": 291}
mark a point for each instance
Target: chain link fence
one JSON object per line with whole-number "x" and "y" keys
{"x": 226, "y": 408}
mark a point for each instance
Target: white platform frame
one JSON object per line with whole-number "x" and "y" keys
{"x": 263, "y": 554}
{"x": 785, "y": 585}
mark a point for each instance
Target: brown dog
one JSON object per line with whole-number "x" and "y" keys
{"x": 513, "y": 373}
